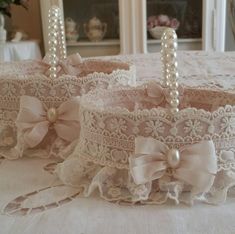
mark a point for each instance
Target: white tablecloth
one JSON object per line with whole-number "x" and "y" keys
{"x": 92, "y": 215}
{"x": 16, "y": 51}
{"x": 33, "y": 202}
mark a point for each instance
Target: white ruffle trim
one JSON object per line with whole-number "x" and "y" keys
{"x": 117, "y": 185}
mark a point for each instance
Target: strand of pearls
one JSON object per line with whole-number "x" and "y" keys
{"x": 56, "y": 39}
{"x": 170, "y": 67}
{"x": 62, "y": 45}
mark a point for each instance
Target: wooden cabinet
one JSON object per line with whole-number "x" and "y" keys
{"x": 202, "y": 24}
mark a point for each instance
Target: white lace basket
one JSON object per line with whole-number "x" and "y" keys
{"x": 155, "y": 142}
{"x": 39, "y": 100}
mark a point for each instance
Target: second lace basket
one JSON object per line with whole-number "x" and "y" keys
{"x": 155, "y": 142}
{"x": 39, "y": 100}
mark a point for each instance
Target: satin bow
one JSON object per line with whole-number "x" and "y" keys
{"x": 157, "y": 94}
{"x": 34, "y": 123}
{"x": 197, "y": 166}
{"x": 67, "y": 66}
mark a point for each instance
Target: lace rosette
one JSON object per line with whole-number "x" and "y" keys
{"x": 155, "y": 142}
{"x": 50, "y": 84}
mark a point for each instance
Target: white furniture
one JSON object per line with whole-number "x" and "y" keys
{"x": 16, "y": 51}
{"x": 133, "y": 31}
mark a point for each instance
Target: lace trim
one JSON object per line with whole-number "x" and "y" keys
{"x": 116, "y": 184}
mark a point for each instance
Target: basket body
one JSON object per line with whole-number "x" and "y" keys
{"x": 155, "y": 142}
{"x": 15, "y": 84}
{"x": 28, "y": 87}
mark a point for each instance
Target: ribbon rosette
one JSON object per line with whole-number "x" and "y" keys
{"x": 34, "y": 120}
{"x": 194, "y": 165}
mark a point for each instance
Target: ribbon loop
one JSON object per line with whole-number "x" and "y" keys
{"x": 33, "y": 121}
{"x": 197, "y": 166}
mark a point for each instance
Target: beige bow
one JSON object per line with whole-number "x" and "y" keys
{"x": 68, "y": 65}
{"x": 157, "y": 94}
{"x": 195, "y": 165}
{"x": 34, "y": 120}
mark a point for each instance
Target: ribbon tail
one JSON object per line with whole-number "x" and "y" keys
{"x": 34, "y": 136}
{"x": 200, "y": 180}
{"x": 68, "y": 130}
{"x": 146, "y": 169}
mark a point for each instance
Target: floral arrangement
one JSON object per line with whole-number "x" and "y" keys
{"x": 5, "y": 5}
{"x": 162, "y": 21}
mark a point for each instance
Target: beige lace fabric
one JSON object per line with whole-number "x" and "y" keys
{"x": 112, "y": 120}
{"x": 31, "y": 78}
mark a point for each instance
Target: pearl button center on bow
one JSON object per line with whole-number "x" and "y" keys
{"x": 173, "y": 158}
{"x": 52, "y": 115}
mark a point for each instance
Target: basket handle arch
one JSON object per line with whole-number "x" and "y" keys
{"x": 56, "y": 36}
{"x": 170, "y": 67}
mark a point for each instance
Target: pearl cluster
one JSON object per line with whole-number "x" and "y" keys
{"x": 170, "y": 67}
{"x": 56, "y": 39}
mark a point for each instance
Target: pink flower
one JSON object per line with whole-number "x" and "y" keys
{"x": 152, "y": 22}
{"x": 152, "y": 18}
{"x": 164, "y": 20}
{"x": 174, "y": 23}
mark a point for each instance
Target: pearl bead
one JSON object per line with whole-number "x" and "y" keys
{"x": 167, "y": 83}
{"x": 173, "y": 158}
{"x": 174, "y": 94}
{"x": 53, "y": 27}
{"x": 52, "y": 50}
{"x": 175, "y": 65}
{"x": 52, "y": 42}
{"x": 53, "y": 63}
{"x": 168, "y": 66}
{"x": 173, "y": 46}
{"x": 169, "y": 57}
{"x": 53, "y": 69}
{"x": 174, "y": 110}
{"x": 174, "y": 102}
{"x": 174, "y": 85}
{"x": 164, "y": 37}
{"x": 53, "y": 35}
{"x": 53, "y": 56}
{"x": 175, "y": 75}
{"x": 52, "y": 115}
{"x": 53, "y": 76}
{"x": 52, "y": 21}
{"x": 168, "y": 70}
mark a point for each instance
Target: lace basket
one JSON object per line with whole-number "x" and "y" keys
{"x": 155, "y": 142}
{"x": 39, "y": 100}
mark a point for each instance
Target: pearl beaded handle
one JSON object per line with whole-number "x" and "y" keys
{"x": 170, "y": 67}
{"x": 57, "y": 48}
